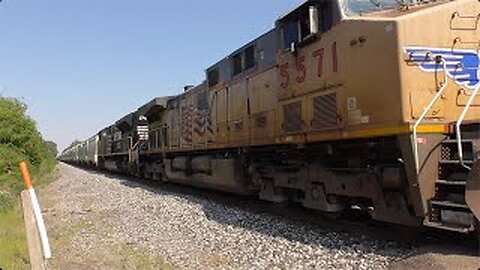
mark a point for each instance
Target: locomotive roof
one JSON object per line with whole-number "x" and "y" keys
{"x": 155, "y": 105}
{"x": 260, "y": 37}
{"x": 295, "y": 10}
{"x": 158, "y": 101}
{"x": 125, "y": 123}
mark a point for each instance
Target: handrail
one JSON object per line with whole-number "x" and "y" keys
{"x": 459, "y": 124}
{"x": 131, "y": 150}
{"x": 425, "y": 112}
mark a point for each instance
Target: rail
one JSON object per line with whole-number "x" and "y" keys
{"x": 425, "y": 113}
{"x": 459, "y": 124}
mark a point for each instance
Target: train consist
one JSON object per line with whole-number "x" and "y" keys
{"x": 344, "y": 104}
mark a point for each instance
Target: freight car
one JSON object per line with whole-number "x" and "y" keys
{"x": 344, "y": 103}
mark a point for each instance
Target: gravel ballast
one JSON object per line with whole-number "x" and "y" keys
{"x": 91, "y": 214}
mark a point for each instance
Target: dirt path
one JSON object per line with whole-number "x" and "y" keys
{"x": 99, "y": 221}
{"x": 80, "y": 231}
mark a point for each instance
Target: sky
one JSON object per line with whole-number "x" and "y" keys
{"x": 81, "y": 65}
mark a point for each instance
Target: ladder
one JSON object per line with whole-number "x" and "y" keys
{"x": 448, "y": 209}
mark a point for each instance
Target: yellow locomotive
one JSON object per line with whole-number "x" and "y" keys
{"x": 370, "y": 104}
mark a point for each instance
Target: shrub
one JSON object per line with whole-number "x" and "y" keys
{"x": 19, "y": 141}
{"x": 19, "y": 131}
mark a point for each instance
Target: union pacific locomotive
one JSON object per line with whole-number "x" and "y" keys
{"x": 366, "y": 104}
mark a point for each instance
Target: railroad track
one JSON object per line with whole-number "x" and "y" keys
{"x": 101, "y": 216}
{"x": 352, "y": 222}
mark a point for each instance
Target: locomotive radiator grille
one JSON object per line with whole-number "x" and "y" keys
{"x": 325, "y": 114}
{"x": 292, "y": 115}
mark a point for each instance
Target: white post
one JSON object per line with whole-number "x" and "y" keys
{"x": 47, "y": 253}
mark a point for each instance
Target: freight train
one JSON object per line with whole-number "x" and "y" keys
{"x": 366, "y": 104}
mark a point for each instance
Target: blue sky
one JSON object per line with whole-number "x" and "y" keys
{"x": 80, "y": 65}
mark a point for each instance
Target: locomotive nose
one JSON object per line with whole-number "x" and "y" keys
{"x": 472, "y": 195}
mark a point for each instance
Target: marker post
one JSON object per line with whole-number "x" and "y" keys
{"x": 47, "y": 253}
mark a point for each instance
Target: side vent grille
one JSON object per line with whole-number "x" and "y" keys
{"x": 325, "y": 114}
{"x": 292, "y": 115}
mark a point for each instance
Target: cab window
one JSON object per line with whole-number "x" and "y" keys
{"x": 244, "y": 60}
{"x": 290, "y": 33}
{"x": 309, "y": 19}
{"x": 237, "y": 64}
{"x": 213, "y": 76}
{"x": 249, "y": 57}
{"x": 304, "y": 26}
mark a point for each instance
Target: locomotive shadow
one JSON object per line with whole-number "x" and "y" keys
{"x": 294, "y": 223}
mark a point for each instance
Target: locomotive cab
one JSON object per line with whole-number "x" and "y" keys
{"x": 302, "y": 25}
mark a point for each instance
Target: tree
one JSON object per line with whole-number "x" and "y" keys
{"x": 18, "y": 131}
{"x": 52, "y": 147}
{"x": 20, "y": 141}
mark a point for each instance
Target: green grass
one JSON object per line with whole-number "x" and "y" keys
{"x": 13, "y": 242}
{"x": 13, "y": 246}
{"x": 139, "y": 259}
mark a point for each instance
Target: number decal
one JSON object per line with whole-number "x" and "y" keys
{"x": 286, "y": 77}
{"x": 319, "y": 54}
{"x": 302, "y": 70}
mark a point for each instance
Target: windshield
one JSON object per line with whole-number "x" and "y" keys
{"x": 359, "y": 7}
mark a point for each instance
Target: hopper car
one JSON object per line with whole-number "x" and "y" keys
{"x": 366, "y": 104}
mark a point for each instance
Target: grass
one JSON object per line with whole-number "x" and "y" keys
{"x": 139, "y": 259}
{"x": 216, "y": 261}
{"x": 13, "y": 246}
{"x": 13, "y": 242}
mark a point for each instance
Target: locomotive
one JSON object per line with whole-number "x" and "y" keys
{"x": 365, "y": 104}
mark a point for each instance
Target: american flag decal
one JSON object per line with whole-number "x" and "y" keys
{"x": 196, "y": 119}
{"x": 187, "y": 118}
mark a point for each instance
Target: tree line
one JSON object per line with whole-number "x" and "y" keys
{"x": 20, "y": 141}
